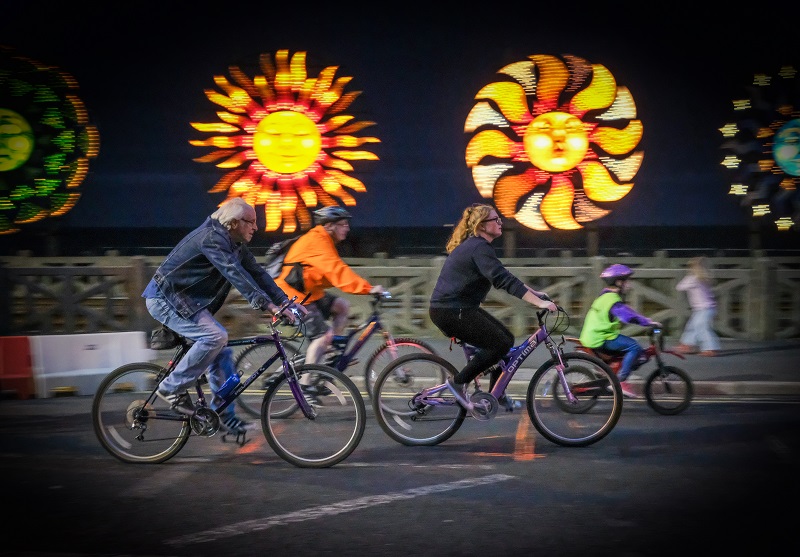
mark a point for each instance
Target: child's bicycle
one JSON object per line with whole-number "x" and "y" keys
{"x": 135, "y": 425}
{"x": 423, "y": 410}
{"x": 339, "y": 357}
{"x": 668, "y": 389}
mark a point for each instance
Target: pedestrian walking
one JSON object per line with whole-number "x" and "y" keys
{"x": 698, "y": 334}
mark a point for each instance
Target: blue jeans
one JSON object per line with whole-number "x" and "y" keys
{"x": 699, "y": 330}
{"x": 209, "y": 351}
{"x": 630, "y": 351}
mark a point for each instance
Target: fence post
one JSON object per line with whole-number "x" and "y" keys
{"x": 137, "y": 280}
{"x": 764, "y": 298}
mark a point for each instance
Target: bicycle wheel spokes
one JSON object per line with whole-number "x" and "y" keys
{"x": 327, "y": 438}
{"x": 386, "y": 354}
{"x": 669, "y": 392}
{"x": 583, "y": 418}
{"x": 251, "y": 359}
{"x": 130, "y": 429}
{"x": 413, "y": 421}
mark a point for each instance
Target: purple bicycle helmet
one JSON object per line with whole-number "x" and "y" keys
{"x": 615, "y": 272}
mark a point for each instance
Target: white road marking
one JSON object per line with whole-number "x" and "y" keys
{"x": 249, "y": 526}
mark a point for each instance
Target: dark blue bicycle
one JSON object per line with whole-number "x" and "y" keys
{"x": 342, "y": 355}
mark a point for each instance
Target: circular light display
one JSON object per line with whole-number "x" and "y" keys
{"x": 287, "y": 139}
{"x": 762, "y": 148}
{"x": 552, "y": 141}
{"x": 46, "y": 141}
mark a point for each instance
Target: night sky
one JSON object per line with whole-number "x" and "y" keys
{"x": 142, "y": 72}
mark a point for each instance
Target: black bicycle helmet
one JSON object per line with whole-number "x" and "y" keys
{"x": 331, "y": 213}
{"x": 615, "y": 272}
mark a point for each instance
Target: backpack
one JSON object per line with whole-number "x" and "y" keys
{"x": 273, "y": 262}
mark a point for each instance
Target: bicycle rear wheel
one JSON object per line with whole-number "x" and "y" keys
{"x": 389, "y": 352}
{"x": 590, "y": 414}
{"x": 327, "y": 438}
{"x": 130, "y": 428}
{"x": 416, "y": 423}
{"x": 252, "y": 358}
{"x": 669, "y": 391}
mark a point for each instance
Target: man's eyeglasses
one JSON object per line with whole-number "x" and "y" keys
{"x": 250, "y": 222}
{"x": 498, "y": 220}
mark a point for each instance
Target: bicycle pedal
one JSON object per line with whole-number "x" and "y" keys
{"x": 241, "y": 438}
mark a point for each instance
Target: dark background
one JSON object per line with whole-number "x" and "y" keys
{"x": 143, "y": 69}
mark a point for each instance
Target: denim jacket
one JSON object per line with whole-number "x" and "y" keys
{"x": 199, "y": 271}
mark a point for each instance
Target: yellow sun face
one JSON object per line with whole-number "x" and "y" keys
{"x": 556, "y": 141}
{"x": 287, "y": 142}
{"x": 16, "y": 140}
{"x": 286, "y": 138}
{"x": 552, "y": 141}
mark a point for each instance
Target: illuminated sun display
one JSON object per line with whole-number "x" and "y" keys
{"x": 762, "y": 148}
{"x": 553, "y": 141}
{"x": 46, "y": 141}
{"x": 285, "y": 139}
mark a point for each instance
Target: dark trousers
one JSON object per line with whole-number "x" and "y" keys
{"x": 477, "y": 327}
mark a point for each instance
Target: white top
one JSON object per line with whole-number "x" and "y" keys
{"x": 700, "y": 295}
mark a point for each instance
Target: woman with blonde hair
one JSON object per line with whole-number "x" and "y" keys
{"x": 699, "y": 330}
{"x": 470, "y": 270}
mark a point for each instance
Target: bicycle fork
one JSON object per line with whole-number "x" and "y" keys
{"x": 555, "y": 352}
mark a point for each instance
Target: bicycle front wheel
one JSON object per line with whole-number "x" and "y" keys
{"x": 669, "y": 391}
{"x": 388, "y": 352}
{"x": 129, "y": 427}
{"x": 581, "y": 412}
{"x": 408, "y": 418}
{"x": 328, "y": 437}
{"x": 252, "y": 358}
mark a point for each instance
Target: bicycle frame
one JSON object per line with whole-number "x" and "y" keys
{"x": 364, "y": 331}
{"x": 654, "y": 350}
{"x": 273, "y": 338}
{"x": 510, "y": 363}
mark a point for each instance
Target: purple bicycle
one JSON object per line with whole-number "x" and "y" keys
{"x": 573, "y": 399}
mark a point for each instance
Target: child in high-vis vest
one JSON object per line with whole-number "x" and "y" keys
{"x": 601, "y": 328}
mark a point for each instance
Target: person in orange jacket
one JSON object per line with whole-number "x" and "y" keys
{"x": 323, "y": 268}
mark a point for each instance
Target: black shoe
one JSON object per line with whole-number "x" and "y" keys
{"x": 178, "y": 403}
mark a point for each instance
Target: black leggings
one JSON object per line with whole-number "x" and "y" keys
{"x": 477, "y": 327}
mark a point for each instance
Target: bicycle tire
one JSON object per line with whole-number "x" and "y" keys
{"x": 252, "y": 358}
{"x": 589, "y": 422}
{"x": 416, "y": 424}
{"x": 327, "y": 439}
{"x": 387, "y": 353}
{"x": 131, "y": 429}
{"x": 669, "y": 391}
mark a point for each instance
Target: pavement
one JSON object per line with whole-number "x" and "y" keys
{"x": 741, "y": 368}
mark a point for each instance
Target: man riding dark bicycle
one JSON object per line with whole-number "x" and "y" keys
{"x": 323, "y": 268}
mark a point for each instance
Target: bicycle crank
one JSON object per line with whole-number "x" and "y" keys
{"x": 204, "y": 422}
{"x": 485, "y": 405}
